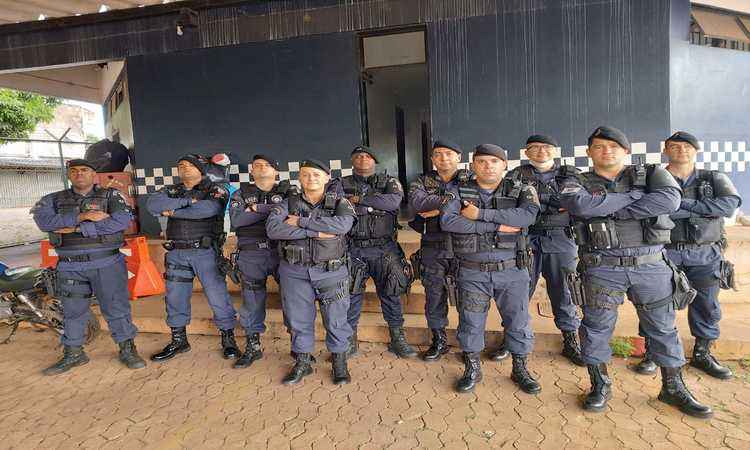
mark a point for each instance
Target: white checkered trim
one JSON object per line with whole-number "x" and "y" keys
{"x": 723, "y": 156}
{"x": 151, "y": 180}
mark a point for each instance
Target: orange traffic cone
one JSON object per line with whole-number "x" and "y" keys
{"x": 144, "y": 278}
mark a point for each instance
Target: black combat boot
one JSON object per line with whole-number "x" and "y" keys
{"x": 498, "y": 354}
{"x": 521, "y": 376}
{"x": 340, "y": 371}
{"x": 72, "y": 357}
{"x": 472, "y": 373}
{"x": 229, "y": 348}
{"x": 179, "y": 344}
{"x": 571, "y": 349}
{"x": 675, "y": 393}
{"x": 353, "y": 348}
{"x": 301, "y": 369}
{"x": 398, "y": 344}
{"x": 705, "y": 361}
{"x": 601, "y": 388}
{"x": 253, "y": 352}
{"x": 129, "y": 355}
{"x": 439, "y": 345}
{"x": 646, "y": 366}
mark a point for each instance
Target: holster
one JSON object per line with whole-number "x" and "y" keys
{"x": 451, "y": 289}
{"x": 416, "y": 263}
{"x": 49, "y": 278}
{"x": 727, "y": 278}
{"x": 683, "y": 294}
{"x": 399, "y": 274}
{"x": 357, "y": 271}
{"x": 574, "y": 282}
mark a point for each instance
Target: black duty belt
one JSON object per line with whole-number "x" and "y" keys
{"x": 89, "y": 256}
{"x": 686, "y": 246}
{"x": 440, "y": 245}
{"x": 548, "y": 231}
{"x": 494, "y": 266}
{"x": 371, "y": 242}
{"x": 329, "y": 266}
{"x": 258, "y": 245}
{"x": 182, "y": 245}
{"x": 594, "y": 260}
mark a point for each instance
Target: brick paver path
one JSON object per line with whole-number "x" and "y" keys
{"x": 198, "y": 401}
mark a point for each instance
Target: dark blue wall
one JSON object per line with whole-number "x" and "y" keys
{"x": 561, "y": 68}
{"x": 293, "y": 99}
{"x": 289, "y": 98}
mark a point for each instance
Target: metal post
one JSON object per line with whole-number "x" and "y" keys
{"x": 62, "y": 159}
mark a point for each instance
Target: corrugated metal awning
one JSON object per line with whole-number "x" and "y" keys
{"x": 12, "y": 11}
{"x": 722, "y": 26}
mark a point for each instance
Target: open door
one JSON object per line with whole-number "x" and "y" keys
{"x": 395, "y": 101}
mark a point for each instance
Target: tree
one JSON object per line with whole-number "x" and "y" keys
{"x": 21, "y": 112}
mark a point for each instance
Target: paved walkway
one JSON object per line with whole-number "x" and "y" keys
{"x": 198, "y": 401}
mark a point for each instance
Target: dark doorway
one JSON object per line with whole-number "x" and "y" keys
{"x": 395, "y": 101}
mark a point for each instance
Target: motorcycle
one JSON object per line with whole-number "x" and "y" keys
{"x": 27, "y": 295}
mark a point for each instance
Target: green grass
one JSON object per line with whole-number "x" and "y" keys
{"x": 621, "y": 347}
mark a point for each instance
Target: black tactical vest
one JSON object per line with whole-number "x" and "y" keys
{"x": 251, "y": 194}
{"x": 505, "y": 196}
{"x": 603, "y": 233}
{"x": 550, "y": 218}
{"x": 372, "y": 223}
{"x": 434, "y": 185}
{"x": 191, "y": 230}
{"x": 67, "y": 202}
{"x": 313, "y": 250}
{"x": 699, "y": 230}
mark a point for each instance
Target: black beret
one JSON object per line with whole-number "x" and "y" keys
{"x": 316, "y": 164}
{"x": 491, "y": 150}
{"x": 80, "y": 162}
{"x": 684, "y": 136}
{"x": 363, "y": 149}
{"x": 542, "y": 139}
{"x": 610, "y": 134}
{"x": 199, "y": 161}
{"x": 443, "y": 143}
{"x": 268, "y": 159}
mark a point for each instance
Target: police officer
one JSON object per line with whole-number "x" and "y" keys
{"x": 258, "y": 255}
{"x": 312, "y": 230}
{"x": 553, "y": 248}
{"x": 86, "y": 225}
{"x": 377, "y": 199}
{"x": 487, "y": 219}
{"x": 195, "y": 221}
{"x": 427, "y": 194}
{"x": 621, "y": 224}
{"x": 697, "y": 246}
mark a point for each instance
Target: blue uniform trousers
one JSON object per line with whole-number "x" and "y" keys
{"x": 256, "y": 266}
{"x": 510, "y": 289}
{"x": 201, "y": 262}
{"x": 110, "y": 286}
{"x": 300, "y": 287}
{"x": 551, "y": 266}
{"x": 390, "y": 304}
{"x": 644, "y": 284}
